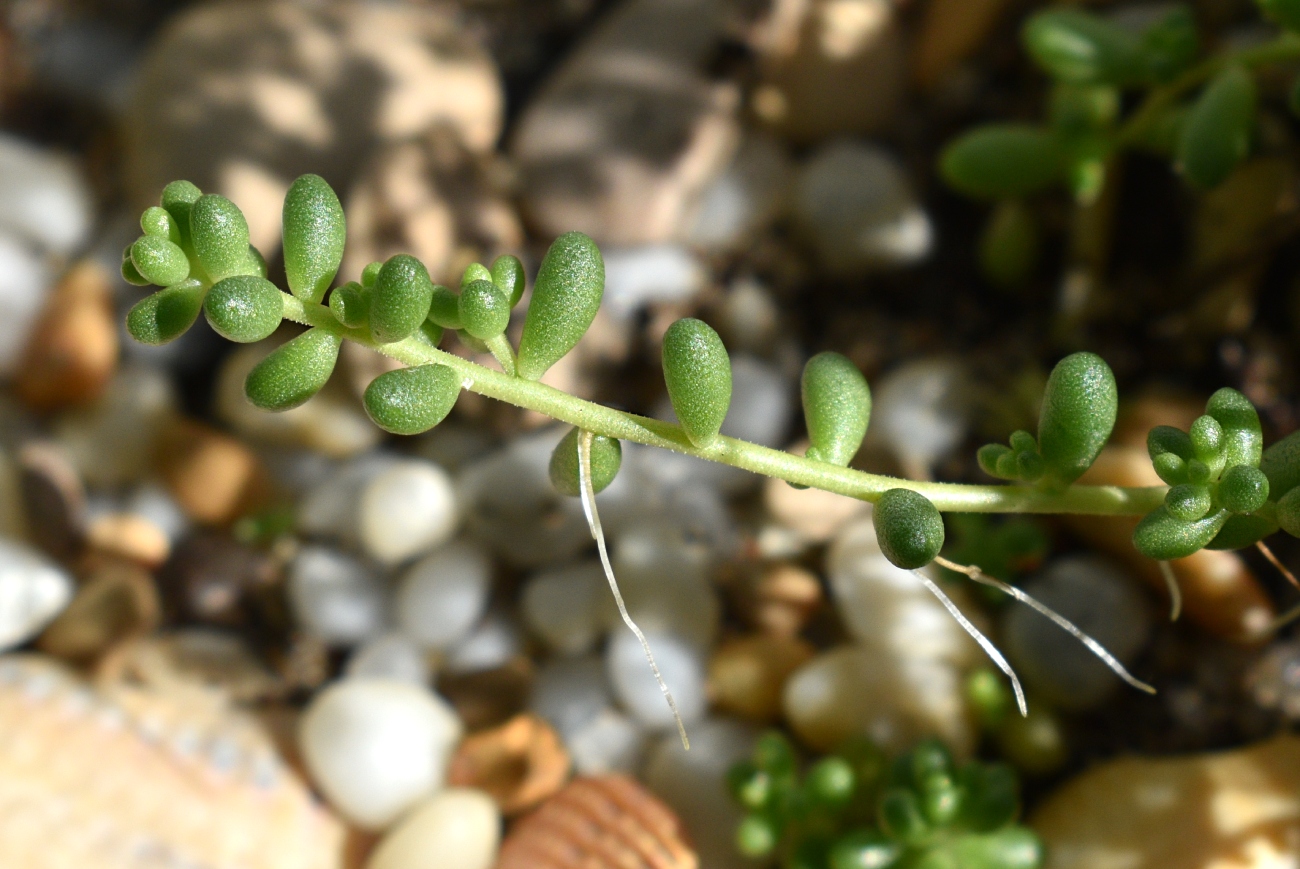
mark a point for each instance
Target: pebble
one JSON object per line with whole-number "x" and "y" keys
{"x": 45, "y": 201}
{"x": 1102, "y": 602}
{"x": 130, "y": 537}
{"x": 113, "y": 442}
{"x": 1274, "y": 679}
{"x": 115, "y": 604}
{"x": 376, "y": 747}
{"x": 408, "y": 509}
{"x": 242, "y": 99}
{"x": 329, "y": 506}
{"x": 155, "y": 505}
{"x": 855, "y": 206}
{"x": 951, "y": 31}
{"x": 393, "y": 656}
{"x": 72, "y": 349}
{"x": 694, "y": 784}
{"x": 748, "y": 674}
{"x": 518, "y": 764}
{"x": 762, "y": 402}
{"x": 33, "y": 590}
{"x": 814, "y": 514}
{"x": 664, "y": 579}
{"x": 335, "y": 597}
{"x": 570, "y": 693}
{"x": 54, "y": 499}
{"x": 1237, "y": 809}
{"x": 896, "y": 701}
{"x": 610, "y": 742}
{"x": 486, "y": 698}
{"x": 441, "y": 597}
{"x": 782, "y": 598}
{"x": 680, "y": 664}
{"x": 209, "y": 574}
{"x": 25, "y": 279}
{"x": 743, "y": 199}
{"x": 566, "y": 606}
{"x": 636, "y": 277}
{"x": 493, "y": 643}
{"x": 214, "y": 477}
{"x": 458, "y": 828}
{"x": 13, "y": 521}
{"x": 888, "y": 608}
{"x": 921, "y": 412}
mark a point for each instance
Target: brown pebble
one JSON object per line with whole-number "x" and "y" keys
{"x": 209, "y": 574}
{"x": 748, "y": 674}
{"x": 783, "y": 598}
{"x": 54, "y": 499}
{"x": 951, "y": 31}
{"x": 486, "y": 698}
{"x": 72, "y": 352}
{"x": 518, "y": 764}
{"x": 606, "y": 822}
{"x": 213, "y": 476}
{"x": 130, "y": 537}
{"x": 118, "y": 603}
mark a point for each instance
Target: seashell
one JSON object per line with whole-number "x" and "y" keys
{"x": 605, "y": 822}
{"x": 130, "y": 778}
{"x": 518, "y": 764}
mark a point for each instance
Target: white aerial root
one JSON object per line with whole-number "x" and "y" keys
{"x": 1175, "y": 593}
{"x": 593, "y": 522}
{"x": 1061, "y": 621}
{"x": 985, "y": 644}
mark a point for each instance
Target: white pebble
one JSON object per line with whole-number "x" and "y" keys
{"x": 921, "y": 412}
{"x": 738, "y": 202}
{"x": 389, "y": 656}
{"x": 681, "y": 665}
{"x": 376, "y": 747}
{"x": 664, "y": 578}
{"x": 459, "y": 828}
{"x": 570, "y": 693}
{"x": 44, "y": 198}
{"x": 33, "y": 590}
{"x": 492, "y": 643}
{"x": 762, "y": 402}
{"x": 112, "y": 441}
{"x": 335, "y": 597}
{"x": 610, "y": 742}
{"x": 25, "y": 280}
{"x": 330, "y": 508}
{"x": 442, "y": 596}
{"x": 565, "y": 606}
{"x": 649, "y": 274}
{"x": 407, "y": 510}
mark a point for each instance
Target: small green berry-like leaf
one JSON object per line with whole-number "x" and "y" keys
{"x": 1012, "y": 848}
{"x": 1243, "y": 489}
{"x": 1078, "y": 414}
{"x": 1281, "y": 464}
{"x": 160, "y": 261}
{"x": 1241, "y": 531}
{"x": 429, "y": 332}
{"x": 1170, "y": 45}
{"x": 756, "y": 837}
{"x": 989, "y": 456}
{"x": 1243, "y": 437}
{"x": 697, "y": 372}
{"x": 1003, "y": 161}
{"x": 1216, "y": 135}
{"x": 350, "y": 305}
{"x": 256, "y": 264}
{"x": 178, "y": 198}
{"x": 1188, "y": 502}
{"x": 370, "y": 273}
{"x": 294, "y": 372}
{"x": 1207, "y": 438}
{"x": 484, "y": 309}
{"x": 409, "y": 401}
{"x": 475, "y": 272}
{"x": 899, "y": 815}
{"x": 1010, "y": 244}
{"x": 1285, "y": 12}
{"x": 244, "y": 308}
{"x": 1081, "y": 48}
{"x": 909, "y": 528}
{"x": 992, "y": 795}
{"x": 836, "y": 407}
{"x": 158, "y": 222}
{"x": 864, "y": 848}
{"x": 1162, "y": 536}
{"x": 129, "y": 272}
{"x": 444, "y": 307}
{"x": 400, "y": 299}
{"x": 606, "y": 457}
{"x": 567, "y": 295}
{"x": 508, "y": 275}
{"x": 167, "y": 314}
{"x": 219, "y": 234}
{"x": 1170, "y": 450}
{"x": 314, "y": 232}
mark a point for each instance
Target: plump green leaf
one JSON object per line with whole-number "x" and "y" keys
{"x": 400, "y": 299}
{"x": 1013, "y": 848}
{"x": 156, "y": 221}
{"x": 1285, "y": 12}
{"x": 444, "y": 307}
{"x": 159, "y": 261}
{"x": 1188, "y": 502}
{"x": 756, "y": 837}
{"x": 697, "y": 371}
{"x": 167, "y": 314}
{"x": 836, "y": 407}
{"x": 409, "y": 401}
{"x": 1288, "y": 512}
{"x": 864, "y": 849}
{"x": 370, "y": 273}
{"x": 129, "y": 272}
{"x": 1170, "y": 45}
{"x": 294, "y": 372}
{"x": 1162, "y": 536}
{"x": 508, "y": 275}
{"x": 1207, "y": 439}
{"x": 989, "y": 457}
{"x": 1281, "y": 464}
{"x": 484, "y": 309}
{"x": 1078, "y": 414}
{"x": 475, "y": 272}
{"x": 909, "y": 528}
{"x": 899, "y": 815}
{"x": 219, "y": 234}
{"x": 1243, "y": 489}
{"x": 1003, "y": 161}
{"x": 567, "y": 295}
{"x": 1241, "y": 531}
{"x": 314, "y": 232}
{"x": 350, "y": 304}
{"x": 1009, "y": 246}
{"x": 244, "y": 308}
{"x": 1082, "y": 48}
{"x": 256, "y": 263}
{"x": 992, "y": 794}
{"x": 178, "y": 198}
{"x": 429, "y": 332}
{"x": 1243, "y": 437}
{"x": 606, "y": 457}
{"x": 1216, "y": 135}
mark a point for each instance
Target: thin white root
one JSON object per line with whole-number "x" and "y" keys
{"x": 1061, "y": 621}
{"x": 593, "y": 522}
{"x": 985, "y": 644}
{"x": 1272, "y": 559}
{"x": 1175, "y": 593}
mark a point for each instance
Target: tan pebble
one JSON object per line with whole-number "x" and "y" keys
{"x": 458, "y": 828}
{"x": 72, "y": 351}
{"x": 1230, "y": 810}
{"x": 126, "y": 535}
{"x": 606, "y": 822}
{"x": 118, "y": 602}
{"x": 783, "y": 599}
{"x": 748, "y": 674}
{"x": 213, "y": 476}
{"x": 814, "y": 514}
{"x": 518, "y": 764}
{"x": 951, "y": 31}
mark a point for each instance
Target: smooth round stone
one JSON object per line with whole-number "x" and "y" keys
{"x": 1103, "y": 602}
{"x": 921, "y": 411}
{"x": 680, "y": 663}
{"x": 44, "y": 198}
{"x": 406, "y": 510}
{"x": 570, "y": 693}
{"x": 156, "y": 505}
{"x": 389, "y": 656}
{"x": 460, "y": 828}
{"x": 113, "y": 441}
{"x": 664, "y": 579}
{"x": 25, "y": 281}
{"x": 33, "y": 590}
{"x": 565, "y": 606}
{"x": 335, "y": 597}
{"x": 329, "y": 507}
{"x": 1274, "y": 680}
{"x": 610, "y": 742}
{"x": 442, "y": 596}
{"x": 762, "y": 402}
{"x": 492, "y": 643}
{"x": 887, "y": 607}
{"x": 375, "y": 747}
{"x": 897, "y": 702}
{"x": 694, "y": 784}
{"x": 650, "y": 274}
{"x": 743, "y": 199}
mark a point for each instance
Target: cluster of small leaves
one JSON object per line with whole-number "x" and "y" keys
{"x": 1093, "y": 61}
{"x": 855, "y": 809}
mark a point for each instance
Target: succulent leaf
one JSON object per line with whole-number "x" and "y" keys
{"x": 508, "y": 275}
{"x": 1081, "y": 48}
{"x": 159, "y": 261}
{"x": 314, "y": 233}
{"x": 606, "y": 457}
{"x": 350, "y": 304}
{"x": 409, "y": 401}
{"x": 1003, "y": 161}
{"x": 697, "y": 372}
{"x": 836, "y": 407}
{"x": 1243, "y": 436}
{"x": 167, "y": 314}
{"x": 1163, "y": 536}
{"x": 566, "y": 296}
{"x": 219, "y": 234}
{"x": 484, "y": 309}
{"x": 1217, "y": 132}
{"x": 244, "y": 308}
{"x": 400, "y": 299}
{"x": 1079, "y": 408}
{"x": 909, "y": 528}
{"x": 294, "y": 372}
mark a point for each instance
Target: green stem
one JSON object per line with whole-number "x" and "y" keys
{"x": 529, "y": 394}
{"x": 501, "y": 350}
